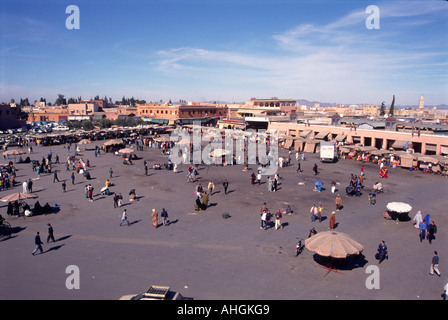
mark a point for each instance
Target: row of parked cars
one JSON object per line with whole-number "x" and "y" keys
{"x": 37, "y": 128}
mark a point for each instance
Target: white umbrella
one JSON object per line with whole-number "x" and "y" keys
{"x": 399, "y": 207}
{"x": 219, "y": 153}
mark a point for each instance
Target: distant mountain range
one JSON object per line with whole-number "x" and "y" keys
{"x": 332, "y": 104}
{"x": 327, "y": 104}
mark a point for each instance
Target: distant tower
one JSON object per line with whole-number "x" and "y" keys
{"x": 421, "y": 103}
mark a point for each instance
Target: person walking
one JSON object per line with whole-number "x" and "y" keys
{"x": 315, "y": 169}
{"x": 64, "y": 185}
{"x": 338, "y": 202}
{"x": 432, "y": 230}
{"x": 278, "y": 220}
{"x": 55, "y": 176}
{"x": 299, "y": 167}
{"x": 434, "y": 265}
{"x": 38, "y": 244}
{"x": 164, "y": 216}
{"x": 50, "y": 234}
{"x": 263, "y": 219}
{"x": 225, "y": 184}
{"x": 124, "y": 217}
{"x": 382, "y": 252}
{"x": 155, "y": 217}
{"x": 445, "y": 291}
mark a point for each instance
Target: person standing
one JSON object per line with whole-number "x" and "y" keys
{"x": 50, "y": 234}
{"x": 155, "y": 217}
{"x": 332, "y": 221}
{"x": 25, "y": 186}
{"x": 338, "y": 202}
{"x": 382, "y": 252}
{"x": 145, "y": 164}
{"x": 110, "y": 172}
{"x": 204, "y": 200}
{"x": 320, "y": 212}
{"x": 278, "y": 220}
{"x": 124, "y": 217}
{"x": 63, "y": 185}
{"x": 30, "y": 186}
{"x": 434, "y": 265}
{"x": 211, "y": 187}
{"x": 333, "y": 186}
{"x": 225, "y": 184}
{"x": 164, "y": 216}
{"x": 38, "y": 244}
{"x": 120, "y": 200}
{"x": 115, "y": 200}
{"x": 422, "y": 228}
{"x": 90, "y": 193}
{"x": 313, "y": 212}
{"x": 73, "y": 178}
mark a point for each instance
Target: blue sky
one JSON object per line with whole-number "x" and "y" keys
{"x": 226, "y": 50}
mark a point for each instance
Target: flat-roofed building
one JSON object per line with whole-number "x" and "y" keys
{"x": 184, "y": 114}
{"x": 55, "y": 114}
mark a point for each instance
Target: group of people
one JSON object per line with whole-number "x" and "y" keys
{"x": 7, "y": 176}
{"x": 202, "y": 197}
{"x": 427, "y": 228}
{"x": 383, "y": 171}
{"x": 266, "y": 216}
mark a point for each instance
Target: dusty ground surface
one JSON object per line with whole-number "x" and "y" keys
{"x": 205, "y": 256}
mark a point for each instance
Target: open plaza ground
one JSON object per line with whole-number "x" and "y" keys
{"x": 201, "y": 254}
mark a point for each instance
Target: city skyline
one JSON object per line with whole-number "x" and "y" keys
{"x": 226, "y": 51}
